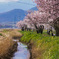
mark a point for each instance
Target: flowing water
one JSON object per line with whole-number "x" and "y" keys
{"x": 22, "y": 52}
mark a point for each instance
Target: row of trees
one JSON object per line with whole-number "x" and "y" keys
{"x": 47, "y": 9}
{"x": 33, "y": 21}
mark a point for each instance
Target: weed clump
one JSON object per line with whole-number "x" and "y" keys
{"x": 1, "y": 34}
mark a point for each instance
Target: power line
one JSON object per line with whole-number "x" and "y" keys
{"x": 26, "y": 3}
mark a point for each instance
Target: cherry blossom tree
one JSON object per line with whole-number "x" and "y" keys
{"x": 20, "y": 25}
{"x": 52, "y": 8}
{"x": 35, "y": 19}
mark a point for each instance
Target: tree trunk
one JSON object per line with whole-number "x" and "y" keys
{"x": 57, "y": 32}
{"x": 56, "y": 26}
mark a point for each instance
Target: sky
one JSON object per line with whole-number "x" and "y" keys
{"x": 7, "y": 5}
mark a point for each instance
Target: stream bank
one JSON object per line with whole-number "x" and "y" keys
{"x": 41, "y": 46}
{"x": 10, "y": 52}
{"x": 22, "y": 51}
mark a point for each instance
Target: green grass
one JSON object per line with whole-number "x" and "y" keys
{"x": 5, "y": 30}
{"x": 48, "y": 44}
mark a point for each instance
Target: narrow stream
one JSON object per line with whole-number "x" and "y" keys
{"x": 22, "y": 52}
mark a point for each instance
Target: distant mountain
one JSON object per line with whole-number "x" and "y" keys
{"x": 34, "y": 9}
{"x": 13, "y": 15}
{"x": 10, "y": 18}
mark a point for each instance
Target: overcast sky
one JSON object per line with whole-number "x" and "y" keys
{"x": 6, "y": 5}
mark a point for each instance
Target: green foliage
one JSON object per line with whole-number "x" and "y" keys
{"x": 5, "y": 30}
{"x": 48, "y": 44}
{"x": 0, "y": 34}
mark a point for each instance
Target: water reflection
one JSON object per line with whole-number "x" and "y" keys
{"x": 22, "y": 52}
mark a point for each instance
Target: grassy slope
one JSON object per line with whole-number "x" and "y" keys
{"x": 7, "y": 45}
{"x": 44, "y": 46}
